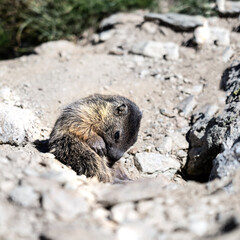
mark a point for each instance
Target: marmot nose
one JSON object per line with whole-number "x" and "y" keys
{"x": 115, "y": 154}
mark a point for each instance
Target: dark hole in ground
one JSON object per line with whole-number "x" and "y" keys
{"x": 190, "y": 43}
{"x": 42, "y": 145}
{"x": 43, "y": 237}
{"x": 230, "y": 225}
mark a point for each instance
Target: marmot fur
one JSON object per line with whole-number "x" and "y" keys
{"x": 93, "y": 133}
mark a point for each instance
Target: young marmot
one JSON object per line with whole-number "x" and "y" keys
{"x": 93, "y": 133}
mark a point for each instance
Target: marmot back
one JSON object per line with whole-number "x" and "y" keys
{"x": 93, "y": 133}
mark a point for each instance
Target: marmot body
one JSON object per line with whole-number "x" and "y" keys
{"x": 93, "y": 133}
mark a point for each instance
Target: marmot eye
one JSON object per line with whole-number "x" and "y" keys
{"x": 117, "y": 135}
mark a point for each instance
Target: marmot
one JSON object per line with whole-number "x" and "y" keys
{"x": 93, "y": 133}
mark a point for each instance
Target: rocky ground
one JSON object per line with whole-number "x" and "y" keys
{"x": 173, "y": 70}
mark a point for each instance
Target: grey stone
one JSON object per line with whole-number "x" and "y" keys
{"x": 65, "y": 204}
{"x": 153, "y": 49}
{"x": 149, "y": 163}
{"x": 138, "y": 230}
{"x": 219, "y": 36}
{"x": 198, "y": 227}
{"x": 228, "y": 8}
{"x": 166, "y": 145}
{"x": 202, "y": 34}
{"x": 209, "y": 137}
{"x": 186, "y": 106}
{"x": 207, "y": 111}
{"x": 144, "y": 73}
{"x": 226, "y": 163}
{"x": 119, "y": 18}
{"x": 227, "y": 54}
{"x": 95, "y": 38}
{"x": 124, "y": 212}
{"x": 194, "y": 90}
{"x": 132, "y": 191}
{"x": 76, "y": 230}
{"x": 106, "y": 35}
{"x": 116, "y": 51}
{"x": 25, "y": 196}
{"x": 212, "y": 35}
{"x": 149, "y": 27}
{"x": 177, "y": 21}
{"x": 166, "y": 113}
{"x": 3, "y": 160}
{"x": 17, "y": 125}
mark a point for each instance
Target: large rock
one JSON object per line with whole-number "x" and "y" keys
{"x": 150, "y": 163}
{"x": 132, "y": 191}
{"x": 211, "y": 35}
{"x": 228, "y": 8}
{"x": 75, "y": 231}
{"x": 67, "y": 205}
{"x": 155, "y": 49}
{"x": 177, "y": 21}
{"x": 209, "y": 137}
{"x": 226, "y": 163}
{"x": 16, "y": 125}
{"x": 219, "y": 36}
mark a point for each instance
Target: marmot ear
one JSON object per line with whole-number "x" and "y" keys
{"x": 121, "y": 110}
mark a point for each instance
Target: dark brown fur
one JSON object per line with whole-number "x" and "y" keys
{"x": 93, "y": 133}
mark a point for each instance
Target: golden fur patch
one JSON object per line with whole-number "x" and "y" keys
{"x": 92, "y": 118}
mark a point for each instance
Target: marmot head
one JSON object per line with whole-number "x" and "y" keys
{"x": 121, "y": 127}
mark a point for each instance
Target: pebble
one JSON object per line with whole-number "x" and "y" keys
{"x": 149, "y": 27}
{"x": 198, "y": 227}
{"x": 166, "y": 113}
{"x": 106, "y": 35}
{"x": 186, "y": 106}
{"x": 194, "y": 90}
{"x": 136, "y": 231}
{"x": 124, "y": 212}
{"x": 177, "y": 21}
{"x": 166, "y": 145}
{"x": 154, "y": 49}
{"x": 25, "y": 196}
{"x": 202, "y": 34}
{"x": 145, "y": 207}
{"x": 116, "y": 51}
{"x": 227, "y": 54}
{"x": 3, "y": 160}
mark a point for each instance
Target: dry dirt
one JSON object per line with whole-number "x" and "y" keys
{"x": 65, "y": 206}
